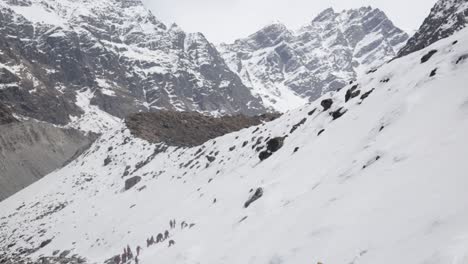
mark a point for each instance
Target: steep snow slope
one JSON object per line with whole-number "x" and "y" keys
{"x": 288, "y": 68}
{"x": 383, "y": 183}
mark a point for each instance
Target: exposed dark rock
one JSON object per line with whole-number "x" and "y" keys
{"x": 352, "y": 93}
{"x": 129, "y": 183}
{"x": 369, "y": 163}
{"x": 428, "y": 56}
{"x": 433, "y": 73}
{"x": 188, "y": 128}
{"x": 264, "y": 155}
{"x": 462, "y": 58}
{"x": 326, "y": 104}
{"x": 107, "y": 161}
{"x": 258, "y": 193}
{"x": 338, "y": 113}
{"x": 275, "y": 144}
{"x": 312, "y": 112}
{"x": 320, "y": 132}
{"x": 365, "y": 95}
{"x": 64, "y": 253}
{"x": 45, "y": 243}
{"x": 296, "y": 126}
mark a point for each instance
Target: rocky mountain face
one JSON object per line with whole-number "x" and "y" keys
{"x": 445, "y": 18}
{"x": 287, "y": 68}
{"x": 29, "y": 150}
{"x": 6, "y": 116}
{"x": 63, "y": 61}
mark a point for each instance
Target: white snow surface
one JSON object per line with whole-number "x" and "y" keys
{"x": 94, "y": 119}
{"x": 385, "y": 183}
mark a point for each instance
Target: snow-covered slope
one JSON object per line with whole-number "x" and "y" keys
{"x": 118, "y": 54}
{"x": 374, "y": 173}
{"x": 288, "y": 68}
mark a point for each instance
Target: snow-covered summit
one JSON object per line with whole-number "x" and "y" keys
{"x": 288, "y": 68}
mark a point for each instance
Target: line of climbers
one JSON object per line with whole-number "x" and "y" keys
{"x": 127, "y": 254}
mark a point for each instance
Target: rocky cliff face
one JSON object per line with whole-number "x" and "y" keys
{"x": 446, "y": 18}
{"x": 30, "y": 150}
{"x": 287, "y": 68}
{"x": 117, "y": 53}
{"x": 6, "y": 116}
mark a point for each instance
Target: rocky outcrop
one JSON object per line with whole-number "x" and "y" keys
{"x": 129, "y": 183}
{"x": 288, "y": 68}
{"x": 30, "y": 150}
{"x": 446, "y": 18}
{"x": 188, "y": 128}
{"x": 254, "y": 197}
{"x": 6, "y": 116}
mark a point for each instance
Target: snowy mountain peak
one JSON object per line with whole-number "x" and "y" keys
{"x": 287, "y": 68}
{"x": 117, "y": 50}
{"x": 268, "y": 36}
{"x": 326, "y": 14}
{"x": 445, "y": 18}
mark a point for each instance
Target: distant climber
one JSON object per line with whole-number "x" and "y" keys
{"x": 171, "y": 243}
{"x": 138, "y": 249}
{"x": 166, "y": 234}
{"x": 117, "y": 259}
{"x": 129, "y": 253}
{"x": 159, "y": 238}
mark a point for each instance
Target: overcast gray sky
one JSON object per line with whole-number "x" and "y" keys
{"x": 227, "y": 20}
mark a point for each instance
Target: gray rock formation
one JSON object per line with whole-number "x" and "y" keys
{"x": 130, "y": 61}
{"x": 30, "y": 150}
{"x": 446, "y": 18}
{"x": 287, "y": 68}
{"x": 6, "y": 116}
{"x": 188, "y": 129}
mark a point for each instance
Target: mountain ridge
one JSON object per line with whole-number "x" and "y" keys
{"x": 129, "y": 61}
{"x": 288, "y": 68}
